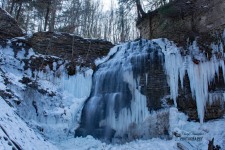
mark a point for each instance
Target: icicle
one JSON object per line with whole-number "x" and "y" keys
{"x": 174, "y": 67}
{"x": 200, "y": 75}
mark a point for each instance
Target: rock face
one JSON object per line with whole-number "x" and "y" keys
{"x": 8, "y": 26}
{"x": 184, "y": 18}
{"x": 81, "y": 51}
{"x": 214, "y": 108}
{"x": 178, "y": 21}
{"x": 156, "y": 87}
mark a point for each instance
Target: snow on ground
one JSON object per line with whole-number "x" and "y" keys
{"x": 14, "y": 132}
{"x": 89, "y": 143}
{"x": 193, "y": 136}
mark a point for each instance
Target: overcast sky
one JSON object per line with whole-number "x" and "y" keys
{"x": 107, "y": 3}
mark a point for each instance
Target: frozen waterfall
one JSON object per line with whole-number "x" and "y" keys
{"x": 120, "y": 99}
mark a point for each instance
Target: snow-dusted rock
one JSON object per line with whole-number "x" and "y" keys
{"x": 8, "y": 26}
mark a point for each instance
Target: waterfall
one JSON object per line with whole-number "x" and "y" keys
{"x": 130, "y": 83}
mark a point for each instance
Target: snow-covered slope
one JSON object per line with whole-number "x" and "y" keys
{"x": 42, "y": 92}
{"x": 14, "y": 132}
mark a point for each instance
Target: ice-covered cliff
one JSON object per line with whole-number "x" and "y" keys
{"x": 119, "y": 107}
{"x": 128, "y": 97}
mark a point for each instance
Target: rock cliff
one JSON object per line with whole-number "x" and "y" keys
{"x": 79, "y": 51}
{"x": 183, "y": 19}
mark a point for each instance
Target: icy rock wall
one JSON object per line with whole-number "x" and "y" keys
{"x": 43, "y": 94}
{"x": 200, "y": 70}
{"x": 117, "y": 104}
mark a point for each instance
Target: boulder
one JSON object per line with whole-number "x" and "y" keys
{"x": 8, "y": 26}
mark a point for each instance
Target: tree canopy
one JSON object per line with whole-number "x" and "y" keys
{"x": 81, "y": 17}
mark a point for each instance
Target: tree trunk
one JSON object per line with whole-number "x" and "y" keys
{"x": 4, "y": 4}
{"x": 27, "y": 22}
{"x": 140, "y": 10}
{"x": 53, "y": 15}
{"x": 122, "y": 36}
{"x": 12, "y": 6}
{"x": 47, "y": 16}
{"x": 19, "y": 10}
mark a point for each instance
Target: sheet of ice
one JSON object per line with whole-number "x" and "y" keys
{"x": 137, "y": 112}
{"x": 52, "y": 102}
{"x": 116, "y": 91}
{"x": 104, "y": 59}
{"x": 79, "y": 84}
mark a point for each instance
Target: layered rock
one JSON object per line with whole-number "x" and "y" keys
{"x": 183, "y": 19}
{"x": 8, "y": 26}
{"x": 80, "y": 51}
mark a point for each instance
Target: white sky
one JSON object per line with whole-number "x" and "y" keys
{"x": 107, "y": 4}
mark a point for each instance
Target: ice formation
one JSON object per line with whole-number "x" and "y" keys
{"x": 116, "y": 101}
{"x": 201, "y": 75}
{"x": 113, "y": 98}
{"x": 52, "y": 100}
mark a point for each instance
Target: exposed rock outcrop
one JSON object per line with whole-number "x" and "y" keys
{"x": 182, "y": 19}
{"x": 77, "y": 50}
{"x": 81, "y": 51}
{"x": 8, "y": 26}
